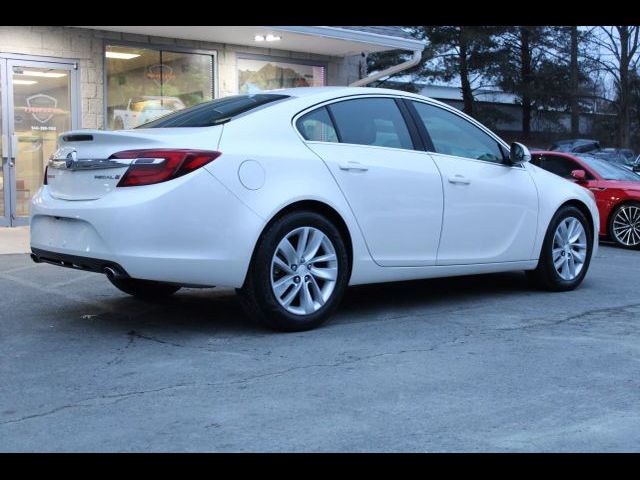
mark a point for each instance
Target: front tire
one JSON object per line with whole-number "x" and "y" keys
{"x": 624, "y": 225}
{"x": 144, "y": 289}
{"x": 566, "y": 251}
{"x": 298, "y": 274}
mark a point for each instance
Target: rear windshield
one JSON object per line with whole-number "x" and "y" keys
{"x": 214, "y": 112}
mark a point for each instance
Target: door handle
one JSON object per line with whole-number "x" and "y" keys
{"x": 353, "y": 166}
{"x": 14, "y": 146}
{"x": 459, "y": 179}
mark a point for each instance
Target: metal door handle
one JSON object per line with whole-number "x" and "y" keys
{"x": 459, "y": 179}
{"x": 354, "y": 166}
{"x": 14, "y": 146}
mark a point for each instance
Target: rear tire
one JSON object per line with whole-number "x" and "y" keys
{"x": 624, "y": 225}
{"x": 283, "y": 290}
{"x": 564, "y": 263}
{"x": 144, "y": 289}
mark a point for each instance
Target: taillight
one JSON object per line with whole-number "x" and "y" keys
{"x": 156, "y": 166}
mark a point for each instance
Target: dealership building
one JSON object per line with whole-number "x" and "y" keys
{"x": 54, "y": 79}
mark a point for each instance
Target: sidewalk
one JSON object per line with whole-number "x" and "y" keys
{"x": 14, "y": 240}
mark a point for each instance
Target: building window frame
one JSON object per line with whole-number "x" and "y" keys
{"x": 273, "y": 58}
{"x": 152, "y": 46}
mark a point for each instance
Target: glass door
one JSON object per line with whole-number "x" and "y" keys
{"x": 42, "y": 97}
{"x": 5, "y": 206}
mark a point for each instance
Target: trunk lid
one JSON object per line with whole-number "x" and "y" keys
{"x": 81, "y": 170}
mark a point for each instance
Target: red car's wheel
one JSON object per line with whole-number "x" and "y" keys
{"x": 624, "y": 225}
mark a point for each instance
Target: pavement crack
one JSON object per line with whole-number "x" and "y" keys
{"x": 577, "y": 316}
{"x": 117, "y": 397}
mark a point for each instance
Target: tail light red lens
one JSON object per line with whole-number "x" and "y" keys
{"x": 156, "y": 166}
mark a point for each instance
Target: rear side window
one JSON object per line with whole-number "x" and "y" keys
{"x": 371, "y": 121}
{"x": 317, "y": 126}
{"x": 214, "y": 112}
{"x": 453, "y": 135}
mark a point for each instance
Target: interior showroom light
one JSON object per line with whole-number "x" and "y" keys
{"x": 35, "y": 73}
{"x": 23, "y": 82}
{"x": 121, "y": 55}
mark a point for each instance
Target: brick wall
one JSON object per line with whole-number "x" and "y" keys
{"x": 87, "y": 47}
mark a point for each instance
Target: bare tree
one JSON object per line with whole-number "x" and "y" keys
{"x": 619, "y": 56}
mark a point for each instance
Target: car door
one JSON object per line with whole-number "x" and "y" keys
{"x": 394, "y": 191}
{"x": 490, "y": 206}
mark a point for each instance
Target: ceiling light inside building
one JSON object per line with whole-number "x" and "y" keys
{"x": 35, "y": 73}
{"x": 259, "y": 38}
{"x": 273, "y": 38}
{"x": 121, "y": 55}
{"x": 23, "y": 82}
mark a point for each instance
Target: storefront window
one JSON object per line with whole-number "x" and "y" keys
{"x": 144, "y": 84}
{"x": 256, "y": 75}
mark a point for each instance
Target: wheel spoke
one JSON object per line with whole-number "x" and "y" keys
{"x": 282, "y": 265}
{"x": 580, "y": 256}
{"x": 329, "y": 257}
{"x": 288, "y": 251}
{"x": 282, "y": 285}
{"x": 317, "y": 293}
{"x": 324, "y": 273}
{"x": 302, "y": 242}
{"x": 286, "y": 301}
{"x": 307, "y": 300}
{"x": 314, "y": 244}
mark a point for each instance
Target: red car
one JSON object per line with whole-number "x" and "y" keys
{"x": 617, "y": 191}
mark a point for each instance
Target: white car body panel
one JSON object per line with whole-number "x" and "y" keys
{"x": 201, "y": 228}
{"x": 490, "y": 212}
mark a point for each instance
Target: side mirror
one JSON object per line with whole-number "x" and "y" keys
{"x": 519, "y": 154}
{"x": 579, "y": 175}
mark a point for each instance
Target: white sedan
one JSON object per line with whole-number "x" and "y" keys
{"x": 291, "y": 195}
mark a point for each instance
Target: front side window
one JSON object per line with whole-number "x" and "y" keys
{"x": 453, "y": 135}
{"x": 371, "y": 121}
{"x": 561, "y": 166}
{"x": 316, "y": 126}
{"x": 146, "y": 83}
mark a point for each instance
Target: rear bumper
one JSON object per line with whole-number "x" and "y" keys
{"x": 190, "y": 230}
{"x": 96, "y": 265}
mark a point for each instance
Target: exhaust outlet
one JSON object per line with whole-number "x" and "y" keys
{"x": 110, "y": 272}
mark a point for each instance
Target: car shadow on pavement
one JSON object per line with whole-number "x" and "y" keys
{"x": 218, "y": 311}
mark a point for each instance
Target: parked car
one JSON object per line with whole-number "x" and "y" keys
{"x": 291, "y": 195}
{"x": 620, "y": 156}
{"x": 577, "y": 145}
{"x": 617, "y": 191}
{"x": 140, "y": 110}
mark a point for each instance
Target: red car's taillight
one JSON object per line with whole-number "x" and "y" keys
{"x": 156, "y": 166}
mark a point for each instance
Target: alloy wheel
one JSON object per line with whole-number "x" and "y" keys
{"x": 569, "y": 249}
{"x": 304, "y": 270}
{"x": 626, "y": 226}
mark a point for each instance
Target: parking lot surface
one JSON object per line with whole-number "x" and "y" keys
{"x": 479, "y": 363}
